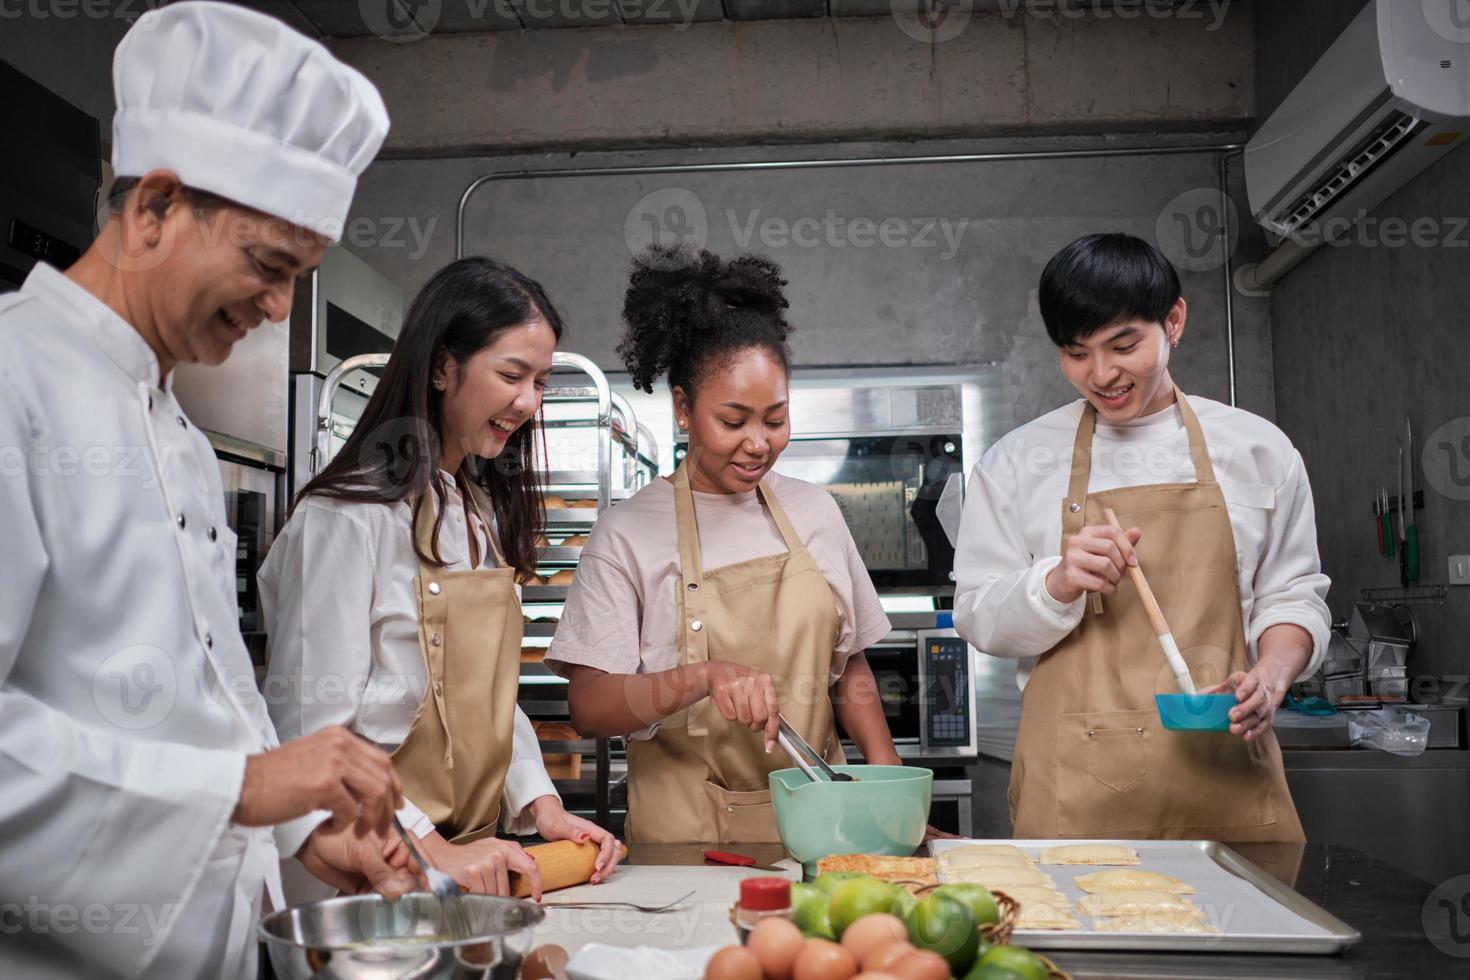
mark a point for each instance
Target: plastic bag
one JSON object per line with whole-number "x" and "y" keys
{"x": 1393, "y": 729}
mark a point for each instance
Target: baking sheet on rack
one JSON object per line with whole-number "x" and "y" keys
{"x": 1249, "y": 918}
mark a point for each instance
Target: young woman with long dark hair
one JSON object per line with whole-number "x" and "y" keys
{"x": 391, "y": 595}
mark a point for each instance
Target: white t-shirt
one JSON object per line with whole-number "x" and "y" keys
{"x": 1010, "y": 533}
{"x": 622, "y": 611}
{"x": 343, "y": 618}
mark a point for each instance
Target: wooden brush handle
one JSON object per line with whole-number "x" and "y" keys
{"x": 1150, "y": 604}
{"x": 563, "y": 863}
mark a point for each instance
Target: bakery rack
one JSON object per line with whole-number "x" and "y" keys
{"x": 578, "y": 401}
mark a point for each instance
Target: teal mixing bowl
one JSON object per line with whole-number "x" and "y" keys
{"x": 883, "y": 812}
{"x": 1195, "y": 712}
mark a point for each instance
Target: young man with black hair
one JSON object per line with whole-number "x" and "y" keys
{"x": 1214, "y": 505}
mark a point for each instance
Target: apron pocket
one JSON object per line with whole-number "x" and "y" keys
{"x": 742, "y": 817}
{"x": 1103, "y": 765}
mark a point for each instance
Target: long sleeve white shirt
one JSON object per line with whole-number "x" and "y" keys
{"x": 1011, "y": 528}
{"x": 342, "y": 616}
{"x": 127, "y": 697}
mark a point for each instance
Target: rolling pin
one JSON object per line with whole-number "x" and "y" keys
{"x": 563, "y": 863}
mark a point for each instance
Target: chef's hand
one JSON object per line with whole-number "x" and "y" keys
{"x": 483, "y": 866}
{"x": 331, "y": 769}
{"x": 553, "y": 822}
{"x": 1258, "y": 692}
{"x": 1094, "y": 561}
{"x": 747, "y": 696}
{"x": 354, "y": 863}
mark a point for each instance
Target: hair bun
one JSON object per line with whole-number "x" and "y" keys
{"x": 682, "y": 302}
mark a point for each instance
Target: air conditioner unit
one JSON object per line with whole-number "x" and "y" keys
{"x": 1387, "y": 100}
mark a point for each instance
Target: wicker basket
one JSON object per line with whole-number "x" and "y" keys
{"x": 1000, "y": 933}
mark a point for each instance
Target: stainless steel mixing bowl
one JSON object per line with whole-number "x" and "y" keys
{"x": 367, "y": 937}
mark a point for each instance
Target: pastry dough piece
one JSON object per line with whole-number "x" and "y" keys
{"x": 575, "y": 541}
{"x": 1110, "y": 904}
{"x": 1043, "y": 910}
{"x": 979, "y": 855}
{"x": 1132, "y": 880}
{"x": 584, "y": 502}
{"x": 914, "y": 872}
{"x": 987, "y": 861}
{"x": 553, "y": 501}
{"x": 1089, "y": 854}
{"x": 1001, "y": 878}
{"x": 1173, "y": 921}
{"x": 1036, "y": 893}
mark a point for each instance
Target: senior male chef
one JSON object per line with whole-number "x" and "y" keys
{"x": 143, "y": 798}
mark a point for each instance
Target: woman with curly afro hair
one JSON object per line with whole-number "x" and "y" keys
{"x": 716, "y": 601}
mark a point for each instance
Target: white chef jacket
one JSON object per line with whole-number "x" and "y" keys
{"x": 337, "y": 590}
{"x": 127, "y": 697}
{"x": 1011, "y": 529}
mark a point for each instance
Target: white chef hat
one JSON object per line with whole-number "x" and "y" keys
{"x": 240, "y": 105}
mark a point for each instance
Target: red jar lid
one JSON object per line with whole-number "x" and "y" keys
{"x": 765, "y": 894}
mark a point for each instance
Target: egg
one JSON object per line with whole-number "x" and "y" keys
{"x": 921, "y": 965}
{"x": 821, "y": 959}
{"x": 733, "y": 963}
{"x": 882, "y": 958}
{"x": 776, "y": 943}
{"x": 871, "y": 931}
{"x": 547, "y": 962}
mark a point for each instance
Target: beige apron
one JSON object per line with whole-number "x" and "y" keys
{"x": 701, "y": 777}
{"x": 454, "y": 759}
{"x": 1092, "y": 759}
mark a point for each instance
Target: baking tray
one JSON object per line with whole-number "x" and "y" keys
{"x": 1254, "y": 911}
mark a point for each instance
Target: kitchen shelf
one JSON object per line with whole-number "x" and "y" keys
{"x": 558, "y": 555}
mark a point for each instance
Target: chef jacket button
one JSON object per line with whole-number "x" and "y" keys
{"x": 150, "y": 403}
{"x": 1075, "y": 508}
{"x": 696, "y": 626}
{"x": 182, "y": 423}
{"x": 209, "y": 641}
{"x": 433, "y": 588}
{"x": 436, "y": 639}
{"x": 180, "y": 521}
{"x": 213, "y": 534}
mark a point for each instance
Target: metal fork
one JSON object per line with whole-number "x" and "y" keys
{"x": 650, "y": 909}
{"x": 444, "y": 887}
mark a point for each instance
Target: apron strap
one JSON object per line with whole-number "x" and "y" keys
{"x": 693, "y": 636}
{"x": 788, "y": 530}
{"x": 432, "y": 615}
{"x": 472, "y": 492}
{"x": 1199, "y": 453}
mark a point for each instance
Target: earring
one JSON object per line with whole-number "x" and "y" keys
{"x": 1174, "y": 344}
{"x": 439, "y": 382}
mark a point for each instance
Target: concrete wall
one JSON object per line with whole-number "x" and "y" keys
{"x": 1365, "y": 335}
{"x": 954, "y": 284}
{"x": 791, "y": 81}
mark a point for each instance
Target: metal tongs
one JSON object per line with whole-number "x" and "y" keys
{"x": 444, "y": 887}
{"x": 797, "y": 747}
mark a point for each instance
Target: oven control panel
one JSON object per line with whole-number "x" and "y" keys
{"x": 948, "y": 698}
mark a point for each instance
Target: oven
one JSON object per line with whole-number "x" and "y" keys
{"x": 925, "y": 675}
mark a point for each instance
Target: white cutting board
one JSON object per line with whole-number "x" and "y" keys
{"x": 703, "y": 920}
